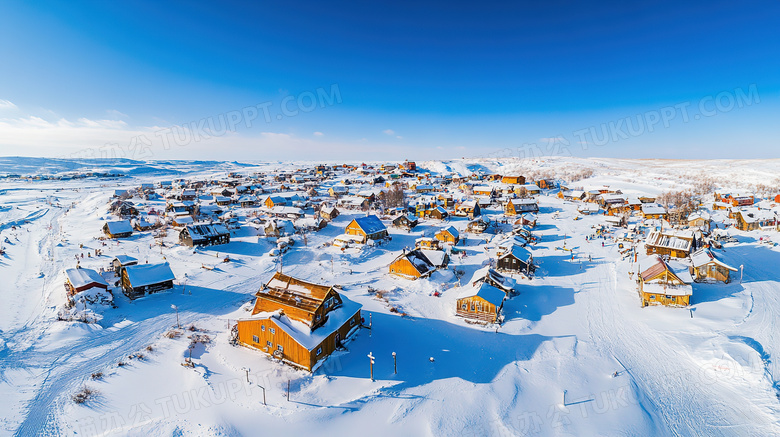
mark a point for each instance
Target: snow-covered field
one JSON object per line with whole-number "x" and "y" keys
{"x": 576, "y": 356}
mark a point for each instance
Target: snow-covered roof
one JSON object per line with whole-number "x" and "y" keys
{"x": 207, "y": 230}
{"x": 653, "y": 208}
{"x": 488, "y": 274}
{"x": 125, "y": 259}
{"x": 436, "y": 257}
{"x": 119, "y": 227}
{"x": 705, "y": 256}
{"x": 79, "y": 278}
{"x": 148, "y": 274}
{"x": 451, "y": 230}
{"x": 670, "y": 238}
{"x": 485, "y": 291}
{"x": 370, "y": 224}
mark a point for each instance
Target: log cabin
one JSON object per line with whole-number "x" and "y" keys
{"x": 448, "y": 235}
{"x": 513, "y": 179}
{"x": 204, "y": 234}
{"x": 752, "y": 219}
{"x": 706, "y": 267}
{"x": 412, "y": 265}
{"x": 405, "y": 221}
{"x": 143, "y": 279}
{"x": 481, "y": 303}
{"x": 674, "y": 243}
{"x": 516, "y": 259}
{"x": 78, "y": 280}
{"x": 665, "y": 283}
{"x": 298, "y": 322}
{"x": 118, "y": 229}
{"x": 520, "y": 206}
{"x": 469, "y": 208}
{"x": 654, "y": 211}
{"x": 329, "y": 212}
{"x": 368, "y": 228}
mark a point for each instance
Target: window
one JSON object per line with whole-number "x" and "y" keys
{"x": 269, "y": 344}
{"x": 256, "y": 339}
{"x": 262, "y": 328}
{"x": 351, "y": 322}
{"x": 317, "y": 318}
{"x": 319, "y": 350}
{"x": 279, "y": 348}
{"x": 464, "y": 307}
{"x": 273, "y": 331}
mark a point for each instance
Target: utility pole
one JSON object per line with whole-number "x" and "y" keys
{"x": 175, "y": 308}
{"x": 288, "y": 390}
{"x": 395, "y": 364}
{"x": 371, "y": 363}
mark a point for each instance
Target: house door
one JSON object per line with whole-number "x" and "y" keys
{"x": 338, "y": 339}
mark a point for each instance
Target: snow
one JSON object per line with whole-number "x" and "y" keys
{"x": 576, "y": 355}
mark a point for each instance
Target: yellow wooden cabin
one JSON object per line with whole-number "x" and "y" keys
{"x": 482, "y": 303}
{"x": 298, "y": 322}
{"x": 412, "y": 265}
{"x": 662, "y": 284}
{"x": 369, "y": 228}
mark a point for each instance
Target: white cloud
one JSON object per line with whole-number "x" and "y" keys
{"x": 5, "y": 104}
{"x": 109, "y": 124}
{"x": 116, "y": 114}
{"x": 388, "y": 132}
{"x": 399, "y": 137}
{"x": 318, "y": 134}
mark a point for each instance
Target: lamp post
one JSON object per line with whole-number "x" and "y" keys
{"x": 175, "y": 308}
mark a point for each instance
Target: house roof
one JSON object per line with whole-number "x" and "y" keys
{"x": 705, "y": 256}
{"x": 207, "y": 230}
{"x": 485, "y": 291}
{"x": 487, "y": 274}
{"x": 79, "y": 278}
{"x": 672, "y": 239}
{"x": 119, "y": 227}
{"x": 125, "y": 260}
{"x": 370, "y": 224}
{"x": 148, "y": 274}
{"x": 451, "y": 230}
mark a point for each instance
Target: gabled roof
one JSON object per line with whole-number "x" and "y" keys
{"x": 451, "y": 230}
{"x": 705, "y": 256}
{"x": 370, "y": 224}
{"x": 148, "y": 274}
{"x": 206, "y": 230}
{"x": 485, "y": 291}
{"x": 82, "y": 277}
{"x": 119, "y": 227}
{"x": 492, "y": 277}
{"x": 418, "y": 259}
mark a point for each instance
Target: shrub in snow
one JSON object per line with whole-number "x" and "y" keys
{"x": 76, "y": 314}
{"x": 97, "y": 375}
{"x": 83, "y": 395}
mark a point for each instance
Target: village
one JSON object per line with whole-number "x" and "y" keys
{"x": 307, "y": 270}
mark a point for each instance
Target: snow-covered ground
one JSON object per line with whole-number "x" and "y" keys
{"x": 577, "y": 355}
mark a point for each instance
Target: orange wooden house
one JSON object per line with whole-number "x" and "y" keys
{"x": 298, "y": 322}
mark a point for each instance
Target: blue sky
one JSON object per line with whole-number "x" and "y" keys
{"x": 417, "y": 81}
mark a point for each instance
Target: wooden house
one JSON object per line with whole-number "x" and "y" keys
{"x": 527, "y": 189}
{"x": 545, "y": 184}
{"x": 481, "y": 303}
{"x": 468, "y": 208}
{"x": 427, "y": 243}
{"x": 520, "y": 206}
{"x": 405, "y": 221}
{"x": 338, "y": 191}
{"x": 412, "y": 265}
{"x": 120, "y": 262}
{"x": 513, "y": 179}
{"x": 527, "y": 219}
{"x": 665, "y": 284}
{"x": 329, "y": 212}
{"x": 204, "y": 234}
{"x": 78, "y": 280}
{"x": 434, "y": 212}
{"x": 272, "y": 201}
{"x": 751, "y": 219}
{"x": 369, "y": 228}
{"x": 142, "y": 279}
{"x": 517, "y": 259}
{"x": 706, "y": 267}
{"x": 448, "y": 235}
{"x": 699, "y": 220}
{"x": 118, "y": 229}
{"x": 484, "y": 190}
{"x": 492, "y": 277}
{"x": 654, "y": 211}
{"x": 674, "y": 243}
{"x": 477, "y": 226}
{"x": 181, "y": 221}
{"x": 298, "y": 322}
